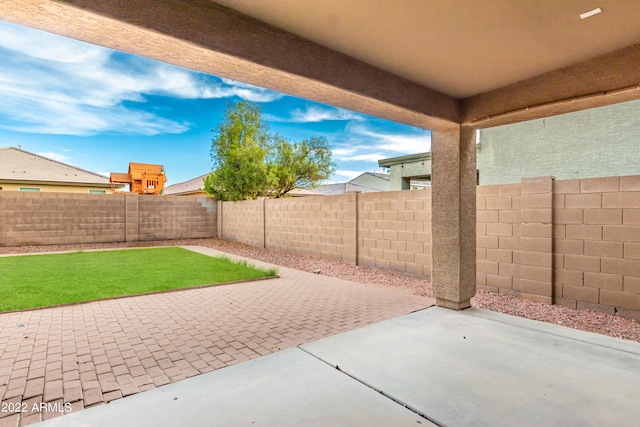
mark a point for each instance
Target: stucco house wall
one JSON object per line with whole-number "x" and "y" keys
{"x": 587, "y": 144}
{"x": 49, "y": 188}
{"x": 607, "y": 141}
{"x": 406, "y": 168}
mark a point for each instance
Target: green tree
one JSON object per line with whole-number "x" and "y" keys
{"x": 300, "y": 164}
{"x": 249, "y": 162}
{"x": 239, "y": 152}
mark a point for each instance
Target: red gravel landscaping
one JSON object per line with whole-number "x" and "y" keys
{"x": 585, "y": 320}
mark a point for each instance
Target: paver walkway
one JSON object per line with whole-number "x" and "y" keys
{"x": 89, "y": 354}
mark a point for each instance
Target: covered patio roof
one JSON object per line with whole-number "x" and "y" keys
{"x": 417, "y": 62}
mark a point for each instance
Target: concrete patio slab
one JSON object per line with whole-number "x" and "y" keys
{"x": 288, "y": 388}
{"x": 432, "y": 367}
{"x": 478, "y": 368}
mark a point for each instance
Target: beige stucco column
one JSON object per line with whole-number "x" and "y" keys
{"x": 453, "y": 211}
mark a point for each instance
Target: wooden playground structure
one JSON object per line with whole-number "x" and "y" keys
{"x": 142, "y": 179}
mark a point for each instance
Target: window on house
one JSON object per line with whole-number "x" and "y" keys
{"x": 97, "y": 191}
{"x": 33, "y": 189}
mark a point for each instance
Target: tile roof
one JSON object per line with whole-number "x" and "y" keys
{"x": 22, "y": 166}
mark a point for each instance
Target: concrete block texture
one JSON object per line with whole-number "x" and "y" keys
{"x": 588, "y": 236}
{"x": 536, "y": 201}
{"x": 244, "y": 222}
{"x": 626, "y": 199}
{"x": 631, "y": 216}
{"x": 603, "y": 249}
{"x": 581, "y": 293}
{"x": 65, "y": 218}
{"x": 620, "y": 299}
{"x": 603, "y": 216}
{"x": 630, "y": 183}
{"x": 537, "y": 185}
{"x": 325, "y": 227}
{"x": 600, "y": 185}
{"x": 603, "y": 281}
{"x": 581, "y": 201}
{"x": 585, "y": 231}
{"x": 621, "y": 233}
{"x": 401, "y": 234}
{"x": 567, "y": 246}
{"x": 566, "y": 186}
{"x": 568, "y": 216}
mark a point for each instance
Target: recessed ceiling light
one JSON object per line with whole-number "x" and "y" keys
{"x": 586, "y": 15}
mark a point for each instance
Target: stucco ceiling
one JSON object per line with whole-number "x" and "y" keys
{"x": 427, "y": 63}
{"x": 457, "y": 47}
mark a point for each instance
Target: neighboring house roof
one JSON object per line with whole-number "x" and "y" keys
{"x": 343, "y": 187}
{"x": 20, "y": 166}
{"x": 300, "y": 192}
{"x": 411, "y": 158}
{"x": 195, "y": 185}
{"x": 383, "y": 176}
{"x": 378, "y": 181}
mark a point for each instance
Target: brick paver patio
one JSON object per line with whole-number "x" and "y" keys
{"x": 93, "y": 353}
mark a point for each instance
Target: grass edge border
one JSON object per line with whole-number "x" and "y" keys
{"x": 164, "y": 291}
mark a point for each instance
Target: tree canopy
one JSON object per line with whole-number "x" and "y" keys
{"x": 250, "y": 162}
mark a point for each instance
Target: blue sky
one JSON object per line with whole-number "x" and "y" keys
{"x": 99, "y": 109}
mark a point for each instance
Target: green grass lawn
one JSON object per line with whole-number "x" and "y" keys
{"x": 44, "y": 280}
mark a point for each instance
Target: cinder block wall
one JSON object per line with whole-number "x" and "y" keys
{"x": 571, "y": 242}
{"x": 243, "y": 222}
{"x": 390, "y": 230}
{"x": 322, "y": 226}
{"x": 498, "y": 238}
{"x": 174, "y": 217}
{"x": 60, "y": 218}
{"x": 65, "y": 218}
{"x": 394, "y": 231}
{"x": 597, "y": 244}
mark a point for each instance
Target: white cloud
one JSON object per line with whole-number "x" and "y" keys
{"x": 313, "y": 114}
{"x": 402, "y": 143}
{"x": 365, "y": 145}
{"x": 57, "y": 117}
{"x": 357, "y": 154}
{"x": 50, "y": 84}
{"x": 247, "y": 91}
{"x": 41, "y": 45}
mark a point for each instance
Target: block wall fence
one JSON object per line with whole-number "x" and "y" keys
{"x": 390, "y": 230}
{"x": 571, "y": 242}
{"x": 66, "y": 218}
